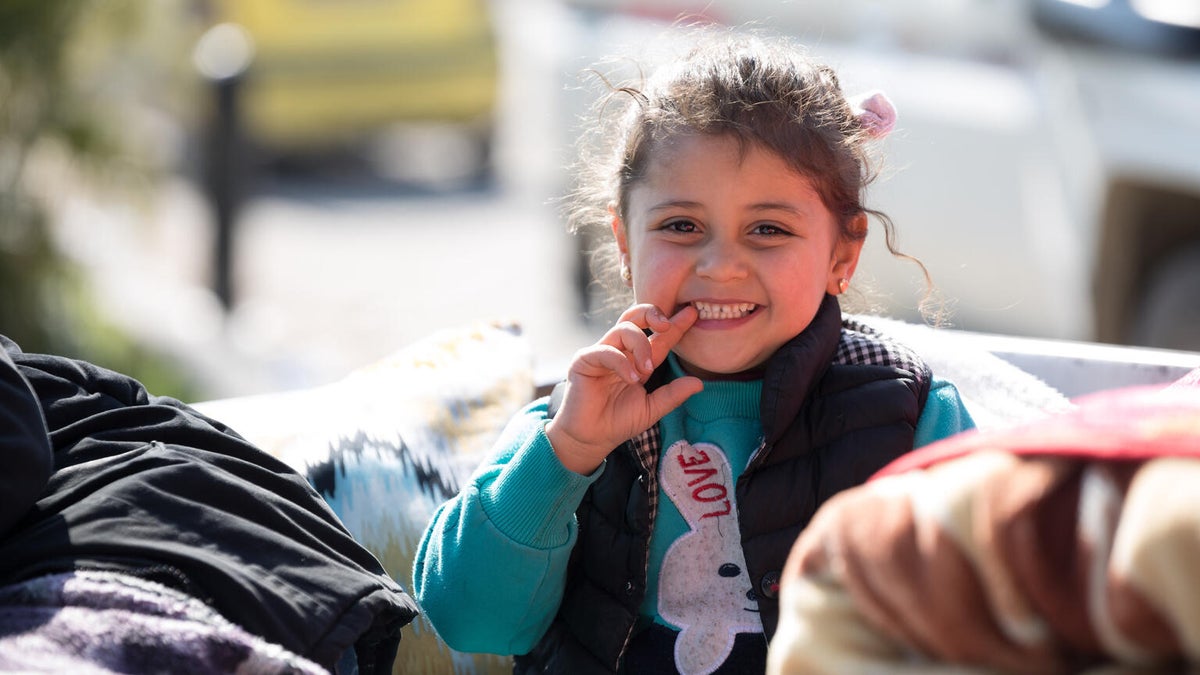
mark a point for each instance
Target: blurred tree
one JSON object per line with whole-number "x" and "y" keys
{"x": 56, "y": 109}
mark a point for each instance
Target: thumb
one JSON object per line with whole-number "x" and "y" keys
{"x": 671, "y": 395}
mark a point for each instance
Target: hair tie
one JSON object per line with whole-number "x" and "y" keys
{"x": 874, "y": 112}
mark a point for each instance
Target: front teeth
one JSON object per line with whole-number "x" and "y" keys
{"x": 710, "y": 310}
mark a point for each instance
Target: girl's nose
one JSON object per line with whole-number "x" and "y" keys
{"x": 721, "y": 262}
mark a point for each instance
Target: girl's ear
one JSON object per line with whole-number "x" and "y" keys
{"x": 845, "y": 256}
{"x": 618, "y": 230}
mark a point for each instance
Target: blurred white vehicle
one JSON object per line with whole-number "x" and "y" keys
{"x": 1046, "y": 167}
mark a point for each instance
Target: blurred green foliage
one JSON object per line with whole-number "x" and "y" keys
{"x": 64, "y": 75}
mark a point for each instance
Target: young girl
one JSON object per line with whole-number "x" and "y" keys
{"x": 637, "y": 520}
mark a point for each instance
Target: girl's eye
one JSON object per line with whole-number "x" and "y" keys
{"x": 769, "y": 229}
{"x": 680, "y": 226}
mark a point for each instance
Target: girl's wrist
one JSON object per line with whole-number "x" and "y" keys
{"x": 575, "y": 456}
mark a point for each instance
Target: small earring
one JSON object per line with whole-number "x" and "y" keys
{"x": 626, "y": 273}
{"x": 843, "y": 284}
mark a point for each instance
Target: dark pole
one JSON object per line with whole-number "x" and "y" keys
{"x": 226, "y": 174}
{"x": 222, "y": 57}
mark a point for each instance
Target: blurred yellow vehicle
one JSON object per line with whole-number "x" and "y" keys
{"x": 316, "y": 74}
{"x": 298, "y": 79}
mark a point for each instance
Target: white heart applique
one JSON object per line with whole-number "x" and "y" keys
{"x": 704, "y": 588}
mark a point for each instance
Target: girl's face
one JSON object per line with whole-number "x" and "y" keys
{"x": 743, "y": 238}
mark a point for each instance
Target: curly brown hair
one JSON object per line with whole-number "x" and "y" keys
{"x": 763, "y": 91}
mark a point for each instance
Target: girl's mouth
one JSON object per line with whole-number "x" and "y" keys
{"x": 713, "y": 310}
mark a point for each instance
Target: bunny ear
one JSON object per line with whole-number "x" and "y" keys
{"x": 874, "y": 112}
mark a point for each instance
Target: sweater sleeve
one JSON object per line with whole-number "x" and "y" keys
{"x": 24, "y": 442}
{"x": 490, "y": 570}
{"x": 944, "y": 414}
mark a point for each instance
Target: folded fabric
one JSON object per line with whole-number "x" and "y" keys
{"x": 1055, "y": 546}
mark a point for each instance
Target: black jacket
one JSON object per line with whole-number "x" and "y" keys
{"x": 839, "y": 402}
{"x": 99, "y": 474}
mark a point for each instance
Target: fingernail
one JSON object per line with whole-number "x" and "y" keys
{"x": 648, "y": 365}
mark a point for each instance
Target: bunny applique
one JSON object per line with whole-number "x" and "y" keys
{"x": 704, "y": 588}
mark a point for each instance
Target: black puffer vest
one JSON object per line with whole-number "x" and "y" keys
{"x": 839, "y": 402}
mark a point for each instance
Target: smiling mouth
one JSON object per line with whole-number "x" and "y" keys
{"x": 712, "y": 310}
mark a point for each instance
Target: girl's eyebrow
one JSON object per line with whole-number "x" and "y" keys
{"x": 779, "y": 206}
{"x": 761, "y": 206}
{"x": 675, "y": 204}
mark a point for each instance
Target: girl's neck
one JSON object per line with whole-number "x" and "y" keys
{"x": 679, "y": 367}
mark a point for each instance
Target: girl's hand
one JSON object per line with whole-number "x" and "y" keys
{"x": 606, "y": 402}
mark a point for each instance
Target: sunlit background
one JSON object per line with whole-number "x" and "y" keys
{"x": 241, "y": 196}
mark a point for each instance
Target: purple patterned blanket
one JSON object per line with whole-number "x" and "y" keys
{"x": 100, "y": 622}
